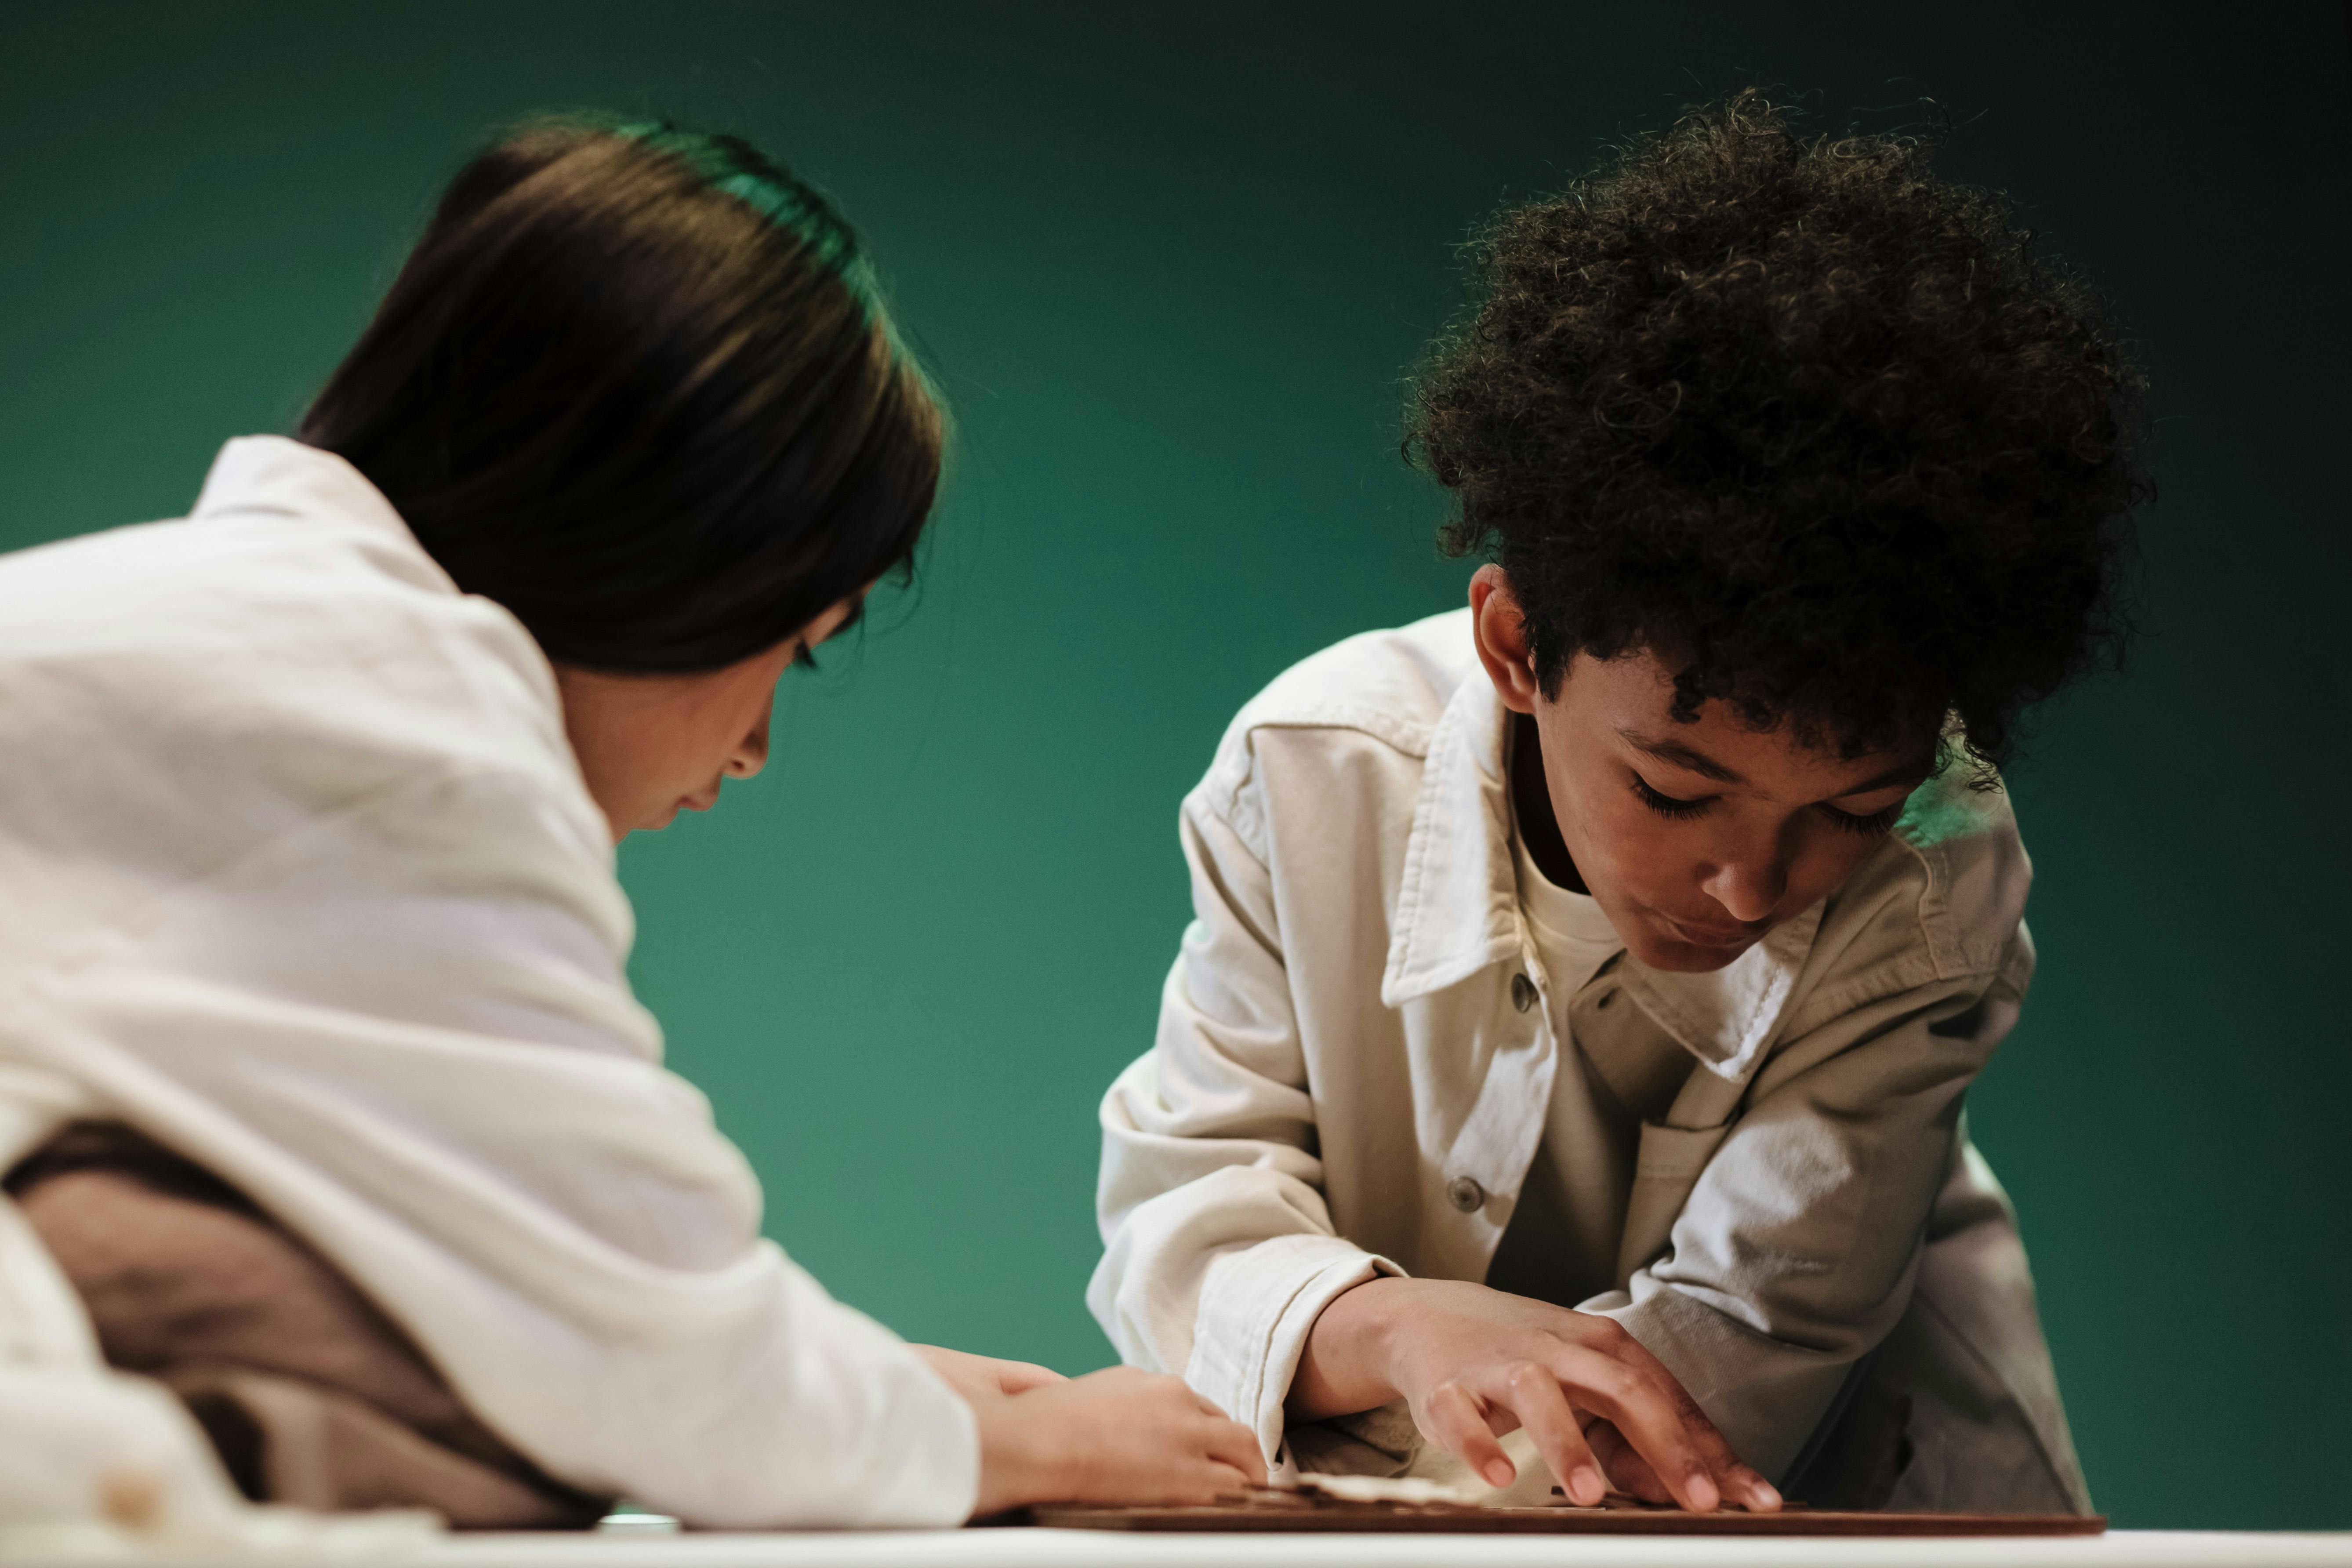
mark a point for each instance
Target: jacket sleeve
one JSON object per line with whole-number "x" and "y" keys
{"x": 403, "y": 1027}
{"x": 1219, "y": 1250}
{"x": 1797, "y": 1248}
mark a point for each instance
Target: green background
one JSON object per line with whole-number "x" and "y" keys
{"x": 1171, "y": 261}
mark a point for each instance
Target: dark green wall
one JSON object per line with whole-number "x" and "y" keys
{"x": 1171, "y": 260}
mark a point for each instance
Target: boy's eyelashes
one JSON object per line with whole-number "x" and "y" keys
{"x": 1664, "y": 805}
{"x": 1674, "y": 808}
{"x": 1869, "y": 826}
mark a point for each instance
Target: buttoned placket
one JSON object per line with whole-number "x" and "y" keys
{"x": 1460, "y": 924}
{"x": 1488, "y": 1166}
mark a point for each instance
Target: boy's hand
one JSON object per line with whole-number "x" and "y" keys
{"x": 969, "y": 1374}
{"x": 1118, "y": 1435}
{"x": 1474, "y": 1363}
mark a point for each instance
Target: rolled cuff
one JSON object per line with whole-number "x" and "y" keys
{"x": 1257, "y": 1307}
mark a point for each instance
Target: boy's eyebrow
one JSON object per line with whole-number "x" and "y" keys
{"x": 1682, "y": 756}
{"x": 1900, "y": 773}
{"x": 1700, "y": 762}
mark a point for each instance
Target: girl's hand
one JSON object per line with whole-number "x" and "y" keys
{"x": 1474, "y": 1363}
{"x": 970, "y": 1375}
{"x": 1118, "y": 1435}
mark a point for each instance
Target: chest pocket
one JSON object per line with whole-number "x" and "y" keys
{"x": 1663, "y": 1173}
{"x": 1686, "y": 1112}
{"x": 1676, "y": 1154}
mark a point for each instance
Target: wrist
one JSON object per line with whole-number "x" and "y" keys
{"x": 1378, "y": 1332}
{"x": 1348, "y": 1364}
{"x": 1011, "y": 1463}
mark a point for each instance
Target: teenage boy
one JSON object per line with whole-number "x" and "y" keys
{"x": 1570, "y": 1049}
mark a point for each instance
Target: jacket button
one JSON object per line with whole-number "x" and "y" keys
{"x": 1523, "y": 992}
{"x": 1464, "y": 1193}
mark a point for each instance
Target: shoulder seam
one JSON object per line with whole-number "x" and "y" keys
{"x": 1401, "y": 734}
{"x": 1898, "y": 975}
{"x": 1223, "y": 791}
{"x": 1955, "y": 957}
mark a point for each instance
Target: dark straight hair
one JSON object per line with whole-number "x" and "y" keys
{"x": 637, "y": 386}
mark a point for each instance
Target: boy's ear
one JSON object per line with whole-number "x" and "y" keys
{"x": 1500, "y": 630}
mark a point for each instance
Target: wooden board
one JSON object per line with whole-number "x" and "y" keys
{"x": 1307, "y": 1512}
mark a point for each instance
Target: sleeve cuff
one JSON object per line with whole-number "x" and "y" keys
{"x": 1766, "y": 1396}
{"x": 1257, "y": 1306}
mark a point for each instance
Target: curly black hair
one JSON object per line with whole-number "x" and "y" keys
{"x": 1819, "y": 430}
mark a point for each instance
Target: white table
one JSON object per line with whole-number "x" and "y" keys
{"x": 1113, "y": 1549}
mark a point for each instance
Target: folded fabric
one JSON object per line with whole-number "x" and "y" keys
{"x": 310, "y": 1394}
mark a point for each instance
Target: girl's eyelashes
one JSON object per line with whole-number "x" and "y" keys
{"x": 1870, "y": 826}
{"x": 1666, "y": 805}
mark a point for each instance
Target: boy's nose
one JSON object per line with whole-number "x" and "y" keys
{"x": 1748, "y": 891}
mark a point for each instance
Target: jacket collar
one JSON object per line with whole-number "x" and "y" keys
{"x": 280, "y": 477}
{"x": 1458, "y": 905}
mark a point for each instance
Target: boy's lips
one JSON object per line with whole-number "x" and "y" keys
{"x": 1715, "y": 936}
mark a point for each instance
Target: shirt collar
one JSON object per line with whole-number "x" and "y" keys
{"x": 1458, "y": 909}
{"x": 276, "y": 476}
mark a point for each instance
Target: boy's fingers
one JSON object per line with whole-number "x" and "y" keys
{"x": 1649, "y": 1420}
{"x": 1734, "y": 1479}
{"x": 1751, "y": 1490}
{"x": 1738, "y": 1483}
{"x": 1455, "y": 1421}
{"x": 1534, "y": 1395}
{"x": 1627, "y": 1470}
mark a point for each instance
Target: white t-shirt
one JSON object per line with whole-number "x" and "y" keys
{"x": 1572, "y": 935}
{"x": 1560, "y": 1244}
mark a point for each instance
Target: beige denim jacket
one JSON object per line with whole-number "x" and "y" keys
{"x": 1343, "y": 1086}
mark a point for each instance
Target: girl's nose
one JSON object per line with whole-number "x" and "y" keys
{"x": 750, "y": 753}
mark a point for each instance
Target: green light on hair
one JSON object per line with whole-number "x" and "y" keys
{"x": 797, "y": 209}
{"x": 783, "y": 201}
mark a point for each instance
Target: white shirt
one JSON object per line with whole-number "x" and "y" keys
{"x": 1360, "y": 1043}
{"x": 304, "y": 881}
{"x": 1562, "y": 1240}
{"x": 1570, "y": 931}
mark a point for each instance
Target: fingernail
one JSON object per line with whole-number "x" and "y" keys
{"x": 1500, "y": 1473}
{"x": 1588, "y": 1486}
{"x": 1703, "y": 1494}
{"x": 1762, "y": 1496}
